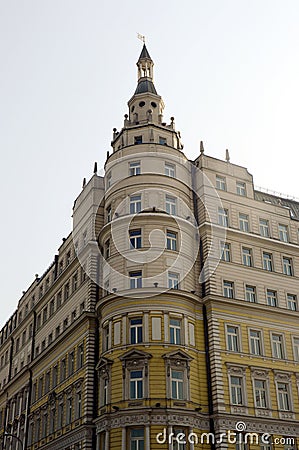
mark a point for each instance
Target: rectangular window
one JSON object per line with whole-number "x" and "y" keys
{"x": 134, "y": 168}
{"x": 241, "y": 188}
{"x": 66, "y": 291}
{"x": 136, "y": 330}
{"x": 220, "y": 183}
{"x": 287, "y": 266}
{"x": 60, "y": 416}
{"x": 283, "y": 233}
{"x": 247, "y": 256}
{"x": 236, "y": 386}
{"x": 296, "y": 348}
{"x": 106, "y": 338}
{"x": 71, "y": 363}
{"x": 137, "y": 140}
{"x": 228, "y": 289}
{"x": 225, "y": 252}
{"x": 135, "y": 204}
{"x": 171, "y": 240}
{"x": 169, "y": 170}
{"x": 267, "y": 261}
{"x": 264, "y": 228}
{"x": 232, "y": 335}
{"x": 292, "y": 302}
{"x": 244, "y": 222}
{"x": 136, "y": 384}
{"x": 250, "y": 294}
{"x": 135, "y": 279}
{"x": 47, "y": 382}
{"x": 51, "y": 307}
{"x": 63, "y": 370}
{"x": 109, "y": 179}
{"x": 175, "y": 331}
{"x": 277, "y": 346}
{"x": 255, "y": 342}
{"x": 170, "y": 204}
{"x": 283, "y": 396}
{"x": 173, "y": 280}
{"x": 78, "y": 405}
{"x": 260, "y": 394}
{"x": 271, "y": 297}
{"x": 177, "y": 384}
{"x": 107, "y": 249}
{"x": 223, "y": 217}
{"x": 55, "y": 376}
{"x": 162, "y": 140}
{"x": 137, "y": 439}
{"x": 135, "y": 238}
{"x": 80, "y": 356}
{"x": 69, "y": 410}
{"x": 109, "y": 214}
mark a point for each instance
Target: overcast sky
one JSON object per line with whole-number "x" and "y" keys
{"x": 227, "y": 70}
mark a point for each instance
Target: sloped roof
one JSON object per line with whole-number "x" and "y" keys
{"x": 292, "y": 205}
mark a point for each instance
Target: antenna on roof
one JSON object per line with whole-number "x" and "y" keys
{"x": 141, "y": 37}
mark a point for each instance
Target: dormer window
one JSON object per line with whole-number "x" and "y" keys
{"x": 137, "y": 140}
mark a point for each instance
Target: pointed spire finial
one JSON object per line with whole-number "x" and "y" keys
{"x": 202, "y": 150}
{"x": 95, "y": 168}
{"x": 141, "y": 37}
{"x": 227, "y": 157}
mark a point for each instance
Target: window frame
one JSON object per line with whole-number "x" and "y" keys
{"x": 244, "y": 222}
{"x": 233, "y": 342}
{"x": 135, "y": 203}
{"x": 134, "y": 168}
{"x": 171, "y": 205}
{"x": 169, "y": 169}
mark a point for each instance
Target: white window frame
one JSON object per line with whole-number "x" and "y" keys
{"x": 171, "y": 240}
{"x": 175, "y": 331}
{"x": 135, "y": 383}
{"x": 247, "y": 257}
{"x": 283, "y": 232}
{"x": 135, "y": 279}
{"x": 287, "y": 264}
{"x": 177, "y": 384}
{"x": 244, "y": 222}
{"x": 134, "y": 168}
{"x": 225, "y": 251}
{"x": 292, "y": 302}
{"x": 171, "y": 205}
{"x": 235, "y": 389}
{"x": 264, "y": 227}
{"x": 272, "y": 299}
{"x": 261, "y": 396}
{"x": 135, "y": 237}
{"x": 220, "y": 183}
{"x": 241, "y": 188}
{"x": 255, "y": 342}
{"x": 134, "y": 330}
{"x": 268, "y": 261}
{"x": 250, "y": 293}
{"x": 135, "y": 203}
{"x": 136, "y": 442}
{"x": 283, "y": 396}
{"x": 223, "y": 217}
{"x": 173, "y": 280}
{"x": 278, "y": 346}
{"x": 228, "y": 289}
{"x": 295, "y": 340}
{"x": 169, "y": 170}
{"x": 233, "y": 343}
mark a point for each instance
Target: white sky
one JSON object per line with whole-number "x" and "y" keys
{"x": 228, "y": 72}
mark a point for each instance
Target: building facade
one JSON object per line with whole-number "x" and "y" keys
{"x": 169, "y": 316}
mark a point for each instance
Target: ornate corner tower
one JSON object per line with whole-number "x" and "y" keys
{"x": 151, "y": 368}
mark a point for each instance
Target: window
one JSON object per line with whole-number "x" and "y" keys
{"x": 260, "y": 394}
{"x": 75, "y": 281}
{"x": 135, "y": 279}
{"x": 225, "y": 252}
{"x": 223, "y": 217}
{"x": 63, "y": 370}
{"x": 135, "y": 238}
{"x": 109, "y": 214}
{"x": 134, "y": 168}
{"x": 136, "y": 384}
{"x": 177, "y": 384}
{"x": 170, "y": 204}
{"x": 137, "y": 140}
{"x": 135, "y": 204}
{"x": 66, "y": 291}
{"x": 136, "y": 330}
{"x": 175, "y": 331}
{"x": 173, "y": 280}
{"x": 220, "y": 183}
{"x": 171, "y": 240}
{"x": 283, "y": 396}
{"x": 241, "y": 188}
{"x": 283, "y": 233}
{"x": 250, "y": 292}
{"x": 277, "y": 346}
{"x": 55, "y": 376}
{"x": 80, "y": 356}
{"x": 40, "y": 387}
{"x": 60, "y": 415}
{"x": 51, "y": 307}
{"x": 60, "y": 270}
{"x": 287, "y": 266}
{"x": 69, "y": 410}
{"x": 50, "y": 338}
{"x": 271, "y": 298}
{"x": 137, "y": 439}
{"x": 232, "y": 336}
{"x": 255, "y": 342}
{"x": 296, "y": 348}
{"x": 236, "y": 388}
{"x": 243, "y": 222}
{"x": 292, "y": 302}
{"x": 107, "y": 249}
{"x": 47, "y": 382}
{"x": 169, "y": 170}
{"x": 264, "y": 228}
{"x": 59, "y": 299}
{"x": 106, "y": 338}
{"x": 247, "y": 256}
{"x": 162, "y": 140}
{"x": 78, "y": 405}
{"x": 71, "y": 363}
{"x": 267, "y": 261}
{"x": 228, "y": 289}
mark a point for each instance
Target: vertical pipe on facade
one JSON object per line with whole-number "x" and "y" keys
{"x": 10, "y": 359}
{"x": 96, "y": 353}
{"x": 29, "y": 384}
{"x": 204, "y": 313}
